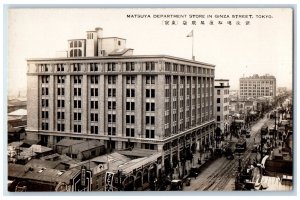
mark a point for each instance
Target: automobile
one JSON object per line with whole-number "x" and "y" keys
{"x": 194, "y": 172}
{"x": 229, "y": 153}
{"x": 176, "y": 185}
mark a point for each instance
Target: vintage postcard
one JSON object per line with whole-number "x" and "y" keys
{"x": 150, "y": 99}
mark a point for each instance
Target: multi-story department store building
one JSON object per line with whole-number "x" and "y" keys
{"x": 101, "y": 91}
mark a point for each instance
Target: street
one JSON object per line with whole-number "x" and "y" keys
{"x": 220, "y": 174}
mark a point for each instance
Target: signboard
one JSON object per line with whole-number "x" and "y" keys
{"x": 83, "y": 180}
{"x": 109, "y": 176}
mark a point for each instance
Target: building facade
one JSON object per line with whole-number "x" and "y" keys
{"x": 258, "y": 86}
{"x": 155, "y": 102}
{"x": 221, "y": 108}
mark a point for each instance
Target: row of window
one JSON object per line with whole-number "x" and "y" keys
{"x": 130, "y": 132}
{"x": 219, "y": 108}
{"x": 75, "y": 43}
{"x": 250, "y": 83}
{"x": 95, "y": 79}
{"x": 189, "y": 69}
{"x": 76, "y": 53}
{"x": 129, "y": 66}
{"x": 182, "y": 79}
{"x": 94, "y": 117}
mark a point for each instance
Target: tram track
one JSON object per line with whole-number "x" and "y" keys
{"x": 217, "y": 180}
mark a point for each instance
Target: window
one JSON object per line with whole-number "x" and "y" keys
{"x": 111, "y": 67}
{"x": 175, "y": 67}
{"x": 60, "y": 67}
{"x": 93, "y": 67}
{"x": 150, "y": 93}
{"x": 130, "y": 105}
{"x": 94, "y": 129}
{"x": 218, "y": 92}
{"x": 150, "y": 79}
{"x": 218, "y": 100}
{"x": 167, "y": 66}
{"x": 111, "y": 118}
{"x": 130, "y": 79}
{"x": 119, "y": 43}
{"x": 77, "y": 91}
{"x": 45, "y": 103}
{"x": 45, "y": 91}
{"x": 45, "y": 126}
{"x": 77, "y": 103}
{"x": 150, "y": 133}
{"x": 111, "y": 92}
{"x": 218, "y": 118}
{"x": 94, "y": 92}
{"x": 44, "y": 67}
{"x": 45, "y": 79}
{"x": 94, "y": 117}
{"x": 76, "y": 66}
{"x": 94, "y": 104}
{"x": 181, "y": 68}
{"x": 77, "y": 79}
{"x": 129, "y": 132}
{"x": 60, "y": 103}
{"x": 111, "y": 130}
{"x": 112, "y": 79}
{"x": 130, "y": 93}
{"x": 60, "y": 115}
{"x": 130, "y": 119}
{"x": 94, "y": 79}
{"x": 60, "y": 127}
{"x": 218, "y": 108}
{"x": 77, "y": 116}
{"x": 130, "y": 66}
{"x": 150, "y": 120}
{"x": 45, "y": 114}
{"x": 150, "y": 66}
{"x": 150, "y": 106}
{"x": 111, "y": 105}
{"x": 77, "y": 128}
{"x": 60, "y": 79}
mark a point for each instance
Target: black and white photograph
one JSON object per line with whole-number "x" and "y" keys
{"x": 150, "y": 100}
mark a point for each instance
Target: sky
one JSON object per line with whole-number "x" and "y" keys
{"x": 262, "y": 47}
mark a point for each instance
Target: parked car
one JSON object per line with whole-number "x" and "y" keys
{"x": 176, "y": 185}
{"x": 194, "y": 172}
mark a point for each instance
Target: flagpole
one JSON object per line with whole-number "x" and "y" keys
{"x": 191, "y": 34}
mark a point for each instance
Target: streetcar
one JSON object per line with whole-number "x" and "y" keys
{"x": 241, "y": 145}
{"x": 264, "y": 130}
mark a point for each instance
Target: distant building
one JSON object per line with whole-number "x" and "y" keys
{"x": 221, "y": 109}
{"x": 257, "y": 86}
